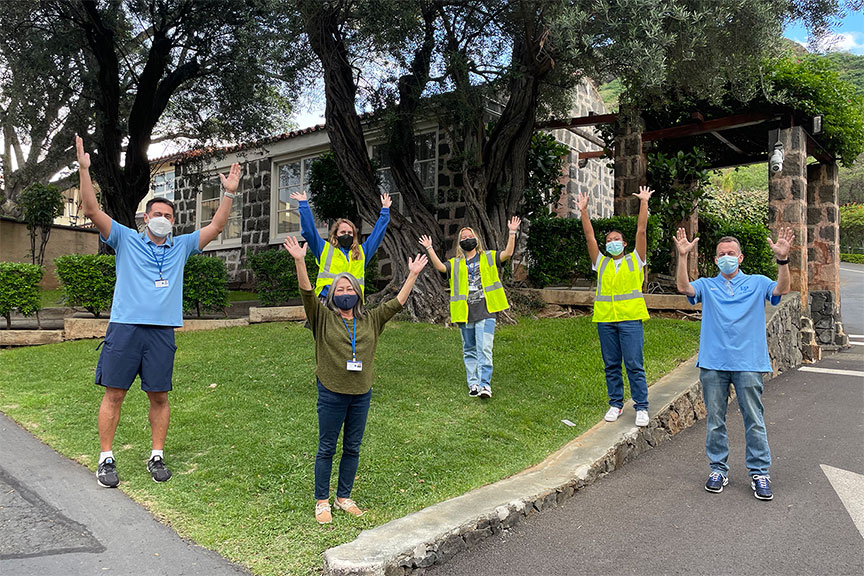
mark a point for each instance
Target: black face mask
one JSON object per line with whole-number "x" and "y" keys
{"x": 468, "y": 244}
{"x": 345, "y": 240}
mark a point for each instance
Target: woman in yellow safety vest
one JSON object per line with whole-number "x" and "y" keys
{"x": 476, "y": 295}
{"x": 342, "y": 250}
{"x": 619, "y": 308}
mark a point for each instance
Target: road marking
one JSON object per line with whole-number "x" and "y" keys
{"x": 852, "y": 270}
{"x": 856, "y": 343}
{"x": 849, "y": 486}
{"x": 856, "y": 335}
{"x": 831, "y": 371}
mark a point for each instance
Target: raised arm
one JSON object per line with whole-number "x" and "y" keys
{"x": 370, "y": 246}
{"x": 89, "y": 202}
{"x": 426, "y": 242}
{"x": 513, "y": 227}
{"x": 415, "y": 265}
{"x": 587, "y": 227}
{"x": 785, "y": 237}
{"x": 307, "y": 224}
{"x": 299, "y": 254}
{"x": 683, "y": 247}
{"x": 642, "y": 223}
{"x": 220, "y": 218}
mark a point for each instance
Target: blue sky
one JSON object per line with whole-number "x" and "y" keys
{"x": 846, "y": 36}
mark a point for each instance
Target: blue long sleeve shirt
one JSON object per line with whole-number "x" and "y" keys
{"x": 316, "y": 242}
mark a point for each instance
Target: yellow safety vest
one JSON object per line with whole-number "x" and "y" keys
{"x": 333, "y": 262}
{"x": 493, "y": 290}
{"x": 619, "y": 291}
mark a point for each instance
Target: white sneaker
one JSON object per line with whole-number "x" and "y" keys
{"x": 642, "y": 418}
{"x": 612, "y": 414}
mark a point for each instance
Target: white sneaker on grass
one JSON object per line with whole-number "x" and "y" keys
{"x": 642, "y": 418}
{"x": 612, "y": 414}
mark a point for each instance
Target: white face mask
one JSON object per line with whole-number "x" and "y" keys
{"x": 160, "y": 226}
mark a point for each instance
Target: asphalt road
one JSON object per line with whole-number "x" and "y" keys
{"x": 653, "y": 516}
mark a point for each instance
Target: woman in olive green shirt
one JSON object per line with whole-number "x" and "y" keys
{"x": 346, "y": 336}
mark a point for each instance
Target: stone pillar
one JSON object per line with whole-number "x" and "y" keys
{"x": 823, "y": 241}
{"x": 787, "y": 197}
{"x": 629, "y": 167}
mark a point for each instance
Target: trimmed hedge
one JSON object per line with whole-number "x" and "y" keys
{"x": 558, "y": 252}
{"x": 87, "y": 281}
{"x": 852, "y": 258}
{"x": 275, "y": 278}
{"x": 758, "y": 256}
{"x": 852, "y": 228}
{"x": 19, "y": 289}
{"x": 205, "y": 284}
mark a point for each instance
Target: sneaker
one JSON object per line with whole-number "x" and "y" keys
{"x": 761, "y": 486}
{"x": 642, "y": 418}
{"x": 486, "y": 392}
{"x": 157, "y": 469}
{"x": 612, "y": 414}
{"x": 348, "y": 506}
{"x": 473, "y": 391}
{"x": 106, "y": 474}
{"x": 322, "y": 513}
{"x": 716, "y": 482}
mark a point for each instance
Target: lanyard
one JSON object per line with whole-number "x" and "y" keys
{"x": 353, "y": 338}
{"x": 157, "y": 261}
{"x": 473, "y": 270}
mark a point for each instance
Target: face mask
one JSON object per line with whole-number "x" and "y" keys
{"x": 160, "y": 226}
{"x": 468, "y": 244}
{"x": 345, "y": 301}
{"x": 615, "y": 247}
{"x": 345, "y": 240}
{"x": 727, "y": 264}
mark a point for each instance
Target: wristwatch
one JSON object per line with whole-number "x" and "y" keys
{"x": 781, "y": 262}
{"x": 231, "y": 195}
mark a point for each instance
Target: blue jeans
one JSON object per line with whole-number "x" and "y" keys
{"x": 336, "y": 411}
{"x": 623, "y": 341}
{"x": 477, "y": 340}
{"x": 748, "y": 389}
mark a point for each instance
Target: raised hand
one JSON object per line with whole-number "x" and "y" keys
{"x": 582, "y": 202}
{"x": 514, "y": 223}
{"x": 781, "y": 248}
{"x": 298, "y": 196}
{"x": 682, "y": 244}
{"x": 425, "y": 241}
{"x": 292, "y": 245}
{"x": 231, "y": 182}
{"x": 83, "y": 157}
{"x": 644, "y": 193}
{"x": 386, "y": 201}
{"x": 415, "y": 265}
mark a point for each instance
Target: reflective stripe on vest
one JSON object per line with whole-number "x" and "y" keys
{"x": 493, "y": 290}
{"x": 626, "y": 302}
{"x": 328, "y": 270}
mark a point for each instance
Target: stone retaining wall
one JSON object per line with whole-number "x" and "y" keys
{"x": 786, "y": 338}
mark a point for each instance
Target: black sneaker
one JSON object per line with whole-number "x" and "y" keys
{"x": 106, "y": 474}
{"x": 762, "y": 487}
{"x": 716, "y": 482}
{"x": 157, "y": 469}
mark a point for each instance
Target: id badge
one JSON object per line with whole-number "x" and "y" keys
{"x": 355, "y": 366}
{"x": 161, "y": 283}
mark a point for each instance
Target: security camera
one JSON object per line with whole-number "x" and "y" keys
{"x": 776, "y": 161}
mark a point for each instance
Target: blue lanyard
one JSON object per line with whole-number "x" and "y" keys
{"x": 353, "y": 338}
{"x": 157, "y": 261}
{"x": 473, "y": 269}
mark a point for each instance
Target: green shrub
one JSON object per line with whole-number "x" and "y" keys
{"x": 558, "y": 252}
{"x": 19, "y": 289}
{"x": 749, "y": 205}
{"x": 852, "y": 228}
{"x": 205, "y": 284}
{"x": 758, "y": 256}
{"x": 852, "y": 258}
{"x": 87, "y": 280}
{"x": 275, "y": 278}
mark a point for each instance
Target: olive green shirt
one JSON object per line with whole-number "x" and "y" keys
{"x": 333, "y": 343}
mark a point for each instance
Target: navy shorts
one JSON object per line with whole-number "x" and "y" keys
{"x": 133, "y": 349}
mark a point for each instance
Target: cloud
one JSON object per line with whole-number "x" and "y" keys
{"x": 840, "y": 42}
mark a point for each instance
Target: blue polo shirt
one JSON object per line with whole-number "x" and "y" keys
{"x": 733, "y": 322}
{"x": 137, "y": 299}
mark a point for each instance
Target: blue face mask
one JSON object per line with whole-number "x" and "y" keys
{"x": 615, "y": 247}
{"x": 345, "y": 301}
{"x": 727, "y": 264}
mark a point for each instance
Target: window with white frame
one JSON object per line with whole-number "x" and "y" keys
{"x": 163, "y": 185}
{"x": 291, "y": 176}
{"x": 208, "y": 203}
{"x": 425, "y": 165}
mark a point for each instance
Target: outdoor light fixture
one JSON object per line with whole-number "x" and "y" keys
{"x": 776, "y": 161}
{"x": 817, "y": 124}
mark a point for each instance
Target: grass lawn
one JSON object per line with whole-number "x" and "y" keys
{"x": 51, "y": 298}
{"x": 244, "y": 432}
{"x": 241, "y": 296}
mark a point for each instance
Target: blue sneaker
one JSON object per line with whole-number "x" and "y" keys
{"x": 761, "y": 486}
{"x": 716, "y": 482}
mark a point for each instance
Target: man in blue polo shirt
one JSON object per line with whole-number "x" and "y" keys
{"x": 147, "y": 306}
{"x": 733, "y": 349}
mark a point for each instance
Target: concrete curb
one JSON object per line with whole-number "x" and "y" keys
{"x": 435, "y": 534}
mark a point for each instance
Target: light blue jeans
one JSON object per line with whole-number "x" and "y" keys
{"x": 477, "y": 340}
{"x": 748, "y": 390}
